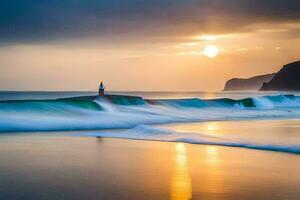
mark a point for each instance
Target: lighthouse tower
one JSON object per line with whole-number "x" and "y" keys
{"x": 101, "y": 89}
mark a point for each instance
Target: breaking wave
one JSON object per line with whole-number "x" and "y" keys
{"x": 87, "y": 113}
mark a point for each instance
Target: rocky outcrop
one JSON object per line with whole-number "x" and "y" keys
{"x": 247, "y": 84}
{"x": 287, "y": 79}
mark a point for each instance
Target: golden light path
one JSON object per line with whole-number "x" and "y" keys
{"x": 181, "y": 186}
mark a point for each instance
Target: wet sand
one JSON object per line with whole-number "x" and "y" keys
{"x": 275, "y": 131}
{"x": 51, "y": 166}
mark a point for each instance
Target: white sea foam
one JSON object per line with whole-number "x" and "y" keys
{"x": 150, "y": 133}
{"x": 138, "y": 117}
{"x": 52, "y": 115}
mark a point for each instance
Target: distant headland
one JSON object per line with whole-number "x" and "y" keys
{"x": 286, "y": 79}
{"x": 247, "y": 84}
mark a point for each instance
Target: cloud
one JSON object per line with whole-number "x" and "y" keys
{"x": 36, "y": 21}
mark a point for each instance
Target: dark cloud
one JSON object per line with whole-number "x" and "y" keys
{"x": 46, "y": 20}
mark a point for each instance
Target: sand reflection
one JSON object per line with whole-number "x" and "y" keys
{"x": 181, "y": 186}
{"x": 212, "y": 155}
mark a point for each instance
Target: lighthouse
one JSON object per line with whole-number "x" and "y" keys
{"x": 101, "y": 89}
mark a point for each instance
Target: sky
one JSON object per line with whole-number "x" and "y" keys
{"x": 157, "y": 45}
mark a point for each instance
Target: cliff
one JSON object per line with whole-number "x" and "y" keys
{"x": 247, "y": 84}
{"x": 287, "y": 79}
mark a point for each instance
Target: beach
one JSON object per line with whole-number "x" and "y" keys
{"x": 66, "y": 165}
{"x": 211, "y": 146}
{"x": 149, "y": 100}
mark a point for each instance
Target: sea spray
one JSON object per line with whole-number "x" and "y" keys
{"x": 128, "y": 112}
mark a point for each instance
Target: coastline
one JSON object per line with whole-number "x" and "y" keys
{"x": 61, "y": 166}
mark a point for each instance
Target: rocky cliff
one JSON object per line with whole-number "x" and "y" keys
{"x": 247, "y": 84}
{"x": 287, "y": 79}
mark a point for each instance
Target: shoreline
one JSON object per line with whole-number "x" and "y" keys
{"x": 183, "y": 133}
{"x": 67, "y": 167}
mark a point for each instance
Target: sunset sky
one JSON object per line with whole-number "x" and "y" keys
{"x": 167, "y": 45}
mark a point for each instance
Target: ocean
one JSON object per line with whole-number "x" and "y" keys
{"x": 139, "y": 119}
{"x": 216, "y": 146}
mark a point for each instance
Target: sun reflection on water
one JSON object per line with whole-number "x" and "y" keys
{"x": 181, "y": 186}
{"x": 212, "y": 153}
{"x": 212, "y": 127}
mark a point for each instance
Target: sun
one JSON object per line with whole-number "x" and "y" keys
{"x": 211, "y": 51}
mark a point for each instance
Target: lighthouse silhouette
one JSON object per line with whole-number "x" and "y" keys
{"x": 101, "y": 89}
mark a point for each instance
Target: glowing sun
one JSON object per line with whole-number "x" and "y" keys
{"x": 210, "y": 51}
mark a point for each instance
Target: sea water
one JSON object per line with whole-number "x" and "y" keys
{"x": 143, "y": 120}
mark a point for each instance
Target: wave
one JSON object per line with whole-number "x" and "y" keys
{"x": 149, "y": 133}
{"x": 255, "y": 102}
{"x": 49, "y": 106}
{"x": 89, "y": 113}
